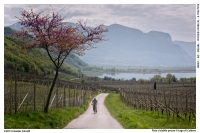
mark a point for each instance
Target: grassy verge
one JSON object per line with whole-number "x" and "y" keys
{"x": 131, "y": 118}
{"x": 55, "y": 119}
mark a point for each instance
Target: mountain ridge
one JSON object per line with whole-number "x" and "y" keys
{"x": 132, "y": 47}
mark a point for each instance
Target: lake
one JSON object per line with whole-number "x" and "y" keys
{"x": 128, "y": 76}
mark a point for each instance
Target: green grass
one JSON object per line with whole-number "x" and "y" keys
{"x": 131, "y": 118}
{"x": 54, "y": 119}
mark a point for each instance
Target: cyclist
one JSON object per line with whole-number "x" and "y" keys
{"x": 94, "y": 103}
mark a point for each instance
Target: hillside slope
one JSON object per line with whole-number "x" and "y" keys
{"x": 35, "y": 58}
{"x": 189, "y": 47}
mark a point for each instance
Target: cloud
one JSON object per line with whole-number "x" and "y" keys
{"x": 177, "y": 20}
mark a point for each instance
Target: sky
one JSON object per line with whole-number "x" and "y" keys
{"x": 179, "y": 20}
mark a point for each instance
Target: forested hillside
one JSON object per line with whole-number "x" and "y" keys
{"x": 28, "y": 61}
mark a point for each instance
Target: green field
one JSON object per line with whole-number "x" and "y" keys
{"x": 131, "y": 118}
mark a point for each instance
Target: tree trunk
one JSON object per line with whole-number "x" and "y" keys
{"x": 46, "y": 108}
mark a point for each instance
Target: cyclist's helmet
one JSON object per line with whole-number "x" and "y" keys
{"x": 94, "y": 98}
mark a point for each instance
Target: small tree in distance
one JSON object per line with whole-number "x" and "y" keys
{"x": 133, "y": 79}
{"x": 169, "y": 78}
{"x": 58, "y": 40}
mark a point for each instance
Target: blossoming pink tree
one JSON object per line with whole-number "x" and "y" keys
{"x": 58, "y": 40}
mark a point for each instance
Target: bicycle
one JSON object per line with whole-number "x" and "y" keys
{"x": 94, "y": 108}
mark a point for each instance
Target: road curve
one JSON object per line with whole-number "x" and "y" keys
{"x": 101, "y": 120}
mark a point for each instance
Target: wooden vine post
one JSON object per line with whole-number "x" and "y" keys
{"x": 16, "y": 104}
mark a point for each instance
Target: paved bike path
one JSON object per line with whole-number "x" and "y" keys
{"x": 101, "y": 120}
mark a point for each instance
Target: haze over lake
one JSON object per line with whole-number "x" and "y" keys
{"x": 128, "y": 76}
